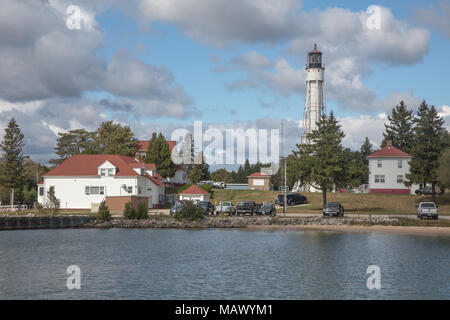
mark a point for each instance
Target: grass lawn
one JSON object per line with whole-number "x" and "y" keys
{"x": 353, "y": 202}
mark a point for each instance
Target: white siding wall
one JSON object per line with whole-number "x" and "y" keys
{"x": 71, "y": 190}
{"x": 390, "y": 171}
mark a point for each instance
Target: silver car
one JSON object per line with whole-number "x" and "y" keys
{"x": 427, "y": 210}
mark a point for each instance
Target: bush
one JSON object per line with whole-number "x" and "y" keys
{"x": 51, "y": 206}
{"x": 129, "y": 212}
{"x": 103, "y": 212}
{"x": 190, "y": 212}
{"x": 142, "y": 212}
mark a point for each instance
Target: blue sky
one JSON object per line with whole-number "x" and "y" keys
{"x": 190, "y": 62}
{"x": 158, "y": 66}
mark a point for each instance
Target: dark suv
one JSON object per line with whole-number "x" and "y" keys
{"x": 291, "y": 199}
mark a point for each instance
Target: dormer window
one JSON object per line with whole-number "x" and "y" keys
{"x": 111, "y": 172}
{"x": 103, "y": 172}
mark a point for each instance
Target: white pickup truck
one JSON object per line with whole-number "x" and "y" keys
{"x": 225, "y": 207}
{"x": 427, "y": 210}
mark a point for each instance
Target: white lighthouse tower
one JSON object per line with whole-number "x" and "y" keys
{"x": 314, "y": 97}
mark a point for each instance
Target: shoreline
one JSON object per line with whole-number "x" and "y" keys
{"x": 409, "y": 230}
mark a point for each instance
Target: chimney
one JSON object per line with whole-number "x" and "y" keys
{"x": 388, "y": 143}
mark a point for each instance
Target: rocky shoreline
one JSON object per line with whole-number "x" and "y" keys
{"x": 238, "y": 222}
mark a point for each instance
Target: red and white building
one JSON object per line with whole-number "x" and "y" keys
{"x": 180, "y": 177}
{"x": 387, "y": 171}
{"x": 194, "y": 193}
{"x": 83, "y": 181}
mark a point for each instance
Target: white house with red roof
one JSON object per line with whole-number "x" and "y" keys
{"x": 194, "y": 193}
{"x": 180, "y": 177}
{"x": 85, "y": 180}
{"x": 259, "y": 181}
{"x": 387, "y": 170}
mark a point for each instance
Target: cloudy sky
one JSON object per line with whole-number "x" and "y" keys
{"x": 158, "y": 65}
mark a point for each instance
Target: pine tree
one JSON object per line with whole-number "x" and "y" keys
{"x": 366, "y": 150}
{"x": 158, "y": 152}
{"x": 112, "y": 138}
{"x": 12, "y": 161}
{"x": 400, "y": 128}
{"x": 428, "y": 146}
{"x": 73, "y": 142}
{"x": 199, "y": 172}
{"x": 321, "y": 163}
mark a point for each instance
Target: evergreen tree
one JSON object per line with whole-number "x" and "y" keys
{"x": 158, "y": 152}
{"x": 321, "y": 163}
{"x": 400, "y": 128}
{"x": 428, "y": 146}
{"x": 366, "y": 150}
{"x": 12, "y": 161}
{"x": 221, "y": 175}
{"x": 199, "y": 172}
{"x": 73, "y": 142}
{"x": 112, "y": 138}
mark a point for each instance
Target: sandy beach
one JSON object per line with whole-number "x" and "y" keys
{"x": 412, "y": 230}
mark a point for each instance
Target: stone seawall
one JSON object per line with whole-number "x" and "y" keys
{"x": 26, "y": 222}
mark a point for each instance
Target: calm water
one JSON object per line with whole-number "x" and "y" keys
{"x": 221, "y": 264}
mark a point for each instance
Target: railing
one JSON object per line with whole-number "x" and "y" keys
{"x": 14, "y": 208}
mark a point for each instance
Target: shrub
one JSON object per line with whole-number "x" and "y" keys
{"x": 142, "y": 212}
{"x": 51, "y": 206}
{"x": 129, "y": 212}
{"x": 103, "y": 212}
{"x": 190, "y": 212}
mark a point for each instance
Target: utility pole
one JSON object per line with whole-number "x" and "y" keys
{"x": 12, "y": 199}
{"x": 285, "y": 187}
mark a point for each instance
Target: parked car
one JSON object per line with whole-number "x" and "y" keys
{"x": 333, "y": 209}
{"x": 177, "y": 207}
{"x": 291, "y": 199}
{"x": 208, "y": 207}
{"x": 427, "y": 210}
{"x": 247, "y": 207}
{"x": 225, "y": 207}
{"x": 427, "y": 190}
{"x": 267, "y": 209}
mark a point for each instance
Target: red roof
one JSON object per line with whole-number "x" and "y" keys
{"x": 258, "y": 175}
{"x": 194, "y": 189}
{"x": 142, "y": 145}
{"x": 87, "y": 165}
{"x": 388, "y": 151}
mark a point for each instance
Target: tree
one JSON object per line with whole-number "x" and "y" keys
{"x": 112, "y": 138}
{"x": 428, "y": 145}
{"x": 103, "y": 212}
{"x": 73, "y": 142}
{"x": 199, "y": 172}
{"x": 400, "y": 128}
{"x": 366, "y": 150}
{"x": 443, "y": 171}
{"x": 321, "y": 163}
{"x": 221, "y": 175}
{"x": 158, "y": 152}
{"x": 12, "y": 160}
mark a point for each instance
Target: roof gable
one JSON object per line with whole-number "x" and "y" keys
{"x": 87, "y": 165}
{"x": 194, "y": 189}
{"x": 388, "y": 151}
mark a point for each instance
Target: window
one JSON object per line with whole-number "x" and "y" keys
{"x": 379, "y": 178}
{"x": 400, "y": 179}
{"x": 140, "y": 190}
{"x": 103, "y": 172}
{"x": 41, "y": 191}
{"x": 379, "y": 164}
{"x": 399, "y": 164}
{"x": 130, "y": 189}
{"x": 94, "y": 190}
{"x": 110, "y": 172}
